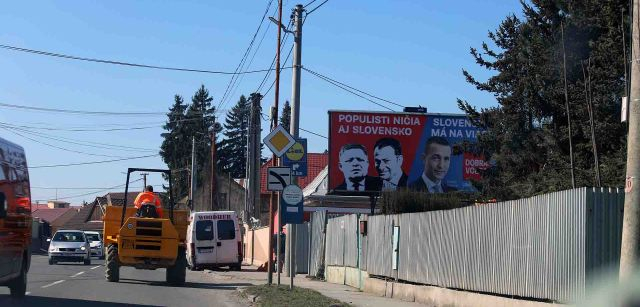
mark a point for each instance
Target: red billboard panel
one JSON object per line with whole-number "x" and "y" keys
{"x": 375, "y": 151}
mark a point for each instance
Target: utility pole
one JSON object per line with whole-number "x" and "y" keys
{"x": 192, "y": 193}
{"x": 566, "y": 102}
{"x": 294, "y": 125}
{"x": 229, "y": 191}
{"x": 274, "y": 123}
{"x": 212, "y": 195}
{"x": 631, "y": 221}
{"x": 144, "y": 179}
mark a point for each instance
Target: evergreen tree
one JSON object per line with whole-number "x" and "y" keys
{"x": 233, "y": 151}
{"x": 185, "y": 122}
{"x": 285, "y": 117}
{"x": 527, "y": 133}
{"x": 175, "y": 148}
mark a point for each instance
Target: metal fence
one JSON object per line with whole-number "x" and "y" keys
{"x": 541, "y": 247}
{"x": 317, "y": 243}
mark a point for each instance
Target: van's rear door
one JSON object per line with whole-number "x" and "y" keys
{"x": 227, "y": 245}
{"x": 205, "y": 244}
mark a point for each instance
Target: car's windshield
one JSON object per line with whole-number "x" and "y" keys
{"x": 92, "y": 237}
{"x": 69, "y": 237}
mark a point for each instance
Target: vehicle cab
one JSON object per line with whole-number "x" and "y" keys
{"x": 214, "y": 240}
{"x": 15, "y": 218}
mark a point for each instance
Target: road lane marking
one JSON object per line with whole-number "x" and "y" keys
{"x": 77, "y": 274}
{"x": 95, "y": 267}
{"x": 53, "y": 283}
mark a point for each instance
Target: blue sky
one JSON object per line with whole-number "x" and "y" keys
{"x": 410, "y": 52}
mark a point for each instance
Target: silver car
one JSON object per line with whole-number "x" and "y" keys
{"x": 69, "y": 245}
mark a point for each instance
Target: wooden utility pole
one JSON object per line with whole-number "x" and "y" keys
{"x": 629, "y": 252}
{"x": 212, "y": 195}
{"x": 272, "y": 200}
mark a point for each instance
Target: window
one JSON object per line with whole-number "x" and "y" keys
{"x": 92, "y": 237}
{"x": 69, "y": 237}
{"x": 204, "y": 230}
{"x": 226, "y": 230}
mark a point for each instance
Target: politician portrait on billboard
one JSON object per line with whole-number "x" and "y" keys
{"x": 382, "y": 151}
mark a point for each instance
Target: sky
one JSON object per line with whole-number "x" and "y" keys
{"x": 408, "y": 52}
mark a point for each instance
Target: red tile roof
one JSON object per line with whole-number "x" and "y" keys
{"x": 50, "y": 215}
{"x": 316, "y": 162}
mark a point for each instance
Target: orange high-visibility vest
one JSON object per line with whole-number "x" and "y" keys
{"x": 151, "y": 198}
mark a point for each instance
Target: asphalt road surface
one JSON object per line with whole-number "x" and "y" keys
{"x": 76, "y": 284}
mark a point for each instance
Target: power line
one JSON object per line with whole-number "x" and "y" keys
{"x": 310, "y": 3}
{"x": 81, "y": 188}
{"x": 99, "y": 191}
{"x": 23, "y": 107}
{"x": 244, "y": 57}
{"x": 346, "y": 88}
{"x": 317, "y": 7}
{"x": 305, "y": 130}
{"x": 92, "y": 162}
{"x": 273, "y": 62}
{"x": 353, "y": 88}
{"x": 78, "y": 142}
{"x": 71, "y": 57}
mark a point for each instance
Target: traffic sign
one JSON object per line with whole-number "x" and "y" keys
{"x": 279, "y": 141}
{"x": 296, "y": 158}
{"x": 291, "y": 204}
{"x": 278, "y": 178}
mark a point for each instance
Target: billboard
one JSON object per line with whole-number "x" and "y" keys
{"x": 381, "y": 151}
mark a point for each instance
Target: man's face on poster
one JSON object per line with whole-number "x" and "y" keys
{"x": 436, "y": 161}
{"x": 388, "y": 164}
{"x": 354, "y": 164}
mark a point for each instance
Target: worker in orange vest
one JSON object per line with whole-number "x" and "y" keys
{"x": 148, "y": 197}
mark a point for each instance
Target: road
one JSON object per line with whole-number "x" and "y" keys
{"x": 71, "y": 284}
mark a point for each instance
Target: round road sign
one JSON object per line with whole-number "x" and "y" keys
{"x": 292, "y": 194}
{"x": 296, "y": 152}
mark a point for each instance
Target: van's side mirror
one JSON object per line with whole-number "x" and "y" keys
{"x": 3, "y": 206}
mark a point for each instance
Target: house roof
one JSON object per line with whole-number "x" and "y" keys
{"x": 316, "y": 162}
{"x": 81, "y": 220}
{"x": 50, "y": 215}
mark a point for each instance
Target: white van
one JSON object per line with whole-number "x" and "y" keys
{"x": 214, "y": 240}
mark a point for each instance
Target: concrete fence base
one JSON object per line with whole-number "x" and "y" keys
{"x": 436, "y": 296}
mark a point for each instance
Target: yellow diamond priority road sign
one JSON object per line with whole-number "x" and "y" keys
{"x": 279, "y": 141}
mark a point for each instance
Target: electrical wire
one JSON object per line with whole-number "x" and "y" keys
{"x": 353, "y": 88}
{"x": 80, "y": 188}
{"x": 302, "y": 129}
{"x": 348, "y": 90}
{"x": 244, "y": 58}
{"x": 317, "y": 7}
{"x": 92, "y": 162}
{"x": 83, "y": 112}
{"x": 310, "y": 3}
{"x": 99, "y": 191}
{"x": 71, "y": 57}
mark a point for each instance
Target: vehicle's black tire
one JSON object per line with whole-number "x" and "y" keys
{"x": 177, "y": 273}
{"x": 112, "y": 272}
{"x": 87, "y": 261}
{"x": 236, "y": 267}
{"x": 51, "y": 261}
{"x": 18, "y": 286}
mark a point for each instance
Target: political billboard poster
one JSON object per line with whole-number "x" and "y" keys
{"x": 383, "y": 151}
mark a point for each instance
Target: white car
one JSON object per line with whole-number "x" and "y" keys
{"x": 69, "y": 245}
{"x": 95, "y": 242}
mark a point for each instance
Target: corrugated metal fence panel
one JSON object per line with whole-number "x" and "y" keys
{"x": 316, "y": 251}
{"x": 336, "y": 244}
{"x": 350, "y": 232}
{"x": 533, "y": 247}
{"x": 302, "y": 248}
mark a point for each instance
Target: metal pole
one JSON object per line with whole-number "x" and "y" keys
{"x": 631, "y": 223}
{"x": 566, "y": 101}
{"x": 229, "y": 191}
{"x": 193, "y": 172}
{"x": 274, "y": 123}
{"x": 295, "y": 123}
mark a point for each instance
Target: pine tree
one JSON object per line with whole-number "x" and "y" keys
{"x": 176, "y": 147}
{"x": 527, "y": 133}
{"x": 285, "y": 117}
{"x": 233, "y": 152}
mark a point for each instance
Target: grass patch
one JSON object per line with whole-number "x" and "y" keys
{"x": 282, "y": 296}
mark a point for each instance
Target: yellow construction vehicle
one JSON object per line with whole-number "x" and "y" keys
{"x": 146, "y": 242}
